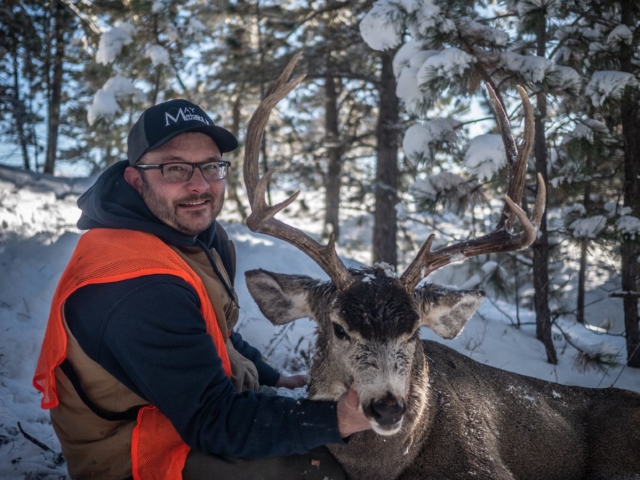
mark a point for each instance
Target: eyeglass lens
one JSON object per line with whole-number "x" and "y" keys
{"x": 181, "y": 172}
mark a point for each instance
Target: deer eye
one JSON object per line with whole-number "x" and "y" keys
{"x": 340, "y": 333}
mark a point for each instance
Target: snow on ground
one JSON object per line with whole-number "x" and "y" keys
{"x": 38, "y": 234}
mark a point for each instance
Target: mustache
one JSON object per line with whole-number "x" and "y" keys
{"x": 194, "y": 198}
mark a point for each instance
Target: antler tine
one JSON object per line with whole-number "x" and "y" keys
{"x": 518, "y": 166}
{"x": 262, "y": 215}
{"x": 501, "y": 239}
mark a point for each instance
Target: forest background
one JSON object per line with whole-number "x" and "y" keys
{"x": 392, "y": 123}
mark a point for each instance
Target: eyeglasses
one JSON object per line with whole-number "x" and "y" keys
{"x": 178, "y": 172}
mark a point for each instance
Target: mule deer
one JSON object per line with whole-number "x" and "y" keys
{"x": 435, "y": 413}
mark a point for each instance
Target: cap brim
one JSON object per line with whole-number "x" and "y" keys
{"x": 225, "y": 140}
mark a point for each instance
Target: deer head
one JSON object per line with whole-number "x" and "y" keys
{"x": 368, "y": 319}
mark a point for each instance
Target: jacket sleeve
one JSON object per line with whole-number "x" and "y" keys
{"x": 267, "y": 375}
{"x": 149, "y": 334}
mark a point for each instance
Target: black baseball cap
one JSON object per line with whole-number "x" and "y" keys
{"x": 160, "y": 123}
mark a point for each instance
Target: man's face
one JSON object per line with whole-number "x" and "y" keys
{"x": 189, "y": 207}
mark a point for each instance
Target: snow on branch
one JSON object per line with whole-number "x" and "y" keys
{"x": 608, "y": 84}
{"x": 406, "y": 63}
{"x": 478, "y": 33}
{"x": 485, "y": 156}
{"x": 112, "y": 41}
{"x": 421, "y": 140}
{"x": 620, "y": 34}
{"x": 628, "y": 226}
{"x": 195, "y": 26}
{"x": 452, "y": 191}
{"x": 158, "y": 55}
{"x": 382, "y": 27}
{"x": 449, "y": 65}
{"x": 104, "y": 105}
{"x": 104, "y": 101}
{"x": 588, "y": 227}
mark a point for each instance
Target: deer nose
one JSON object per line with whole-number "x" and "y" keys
{"x": 388, "y": 410}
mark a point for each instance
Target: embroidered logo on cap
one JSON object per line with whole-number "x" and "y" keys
{"x": 186, "y": 113}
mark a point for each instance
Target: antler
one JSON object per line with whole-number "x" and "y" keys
{"x": 501, "y": 239}
{"x": 262, "y": 215}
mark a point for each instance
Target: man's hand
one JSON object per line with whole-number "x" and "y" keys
{"x": 294, "y": 381}
{"x": 350, "y": 418}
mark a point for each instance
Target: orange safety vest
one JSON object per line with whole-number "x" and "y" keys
{"x": 104, "y": 256}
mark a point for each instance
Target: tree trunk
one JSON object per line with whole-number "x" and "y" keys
{"x": 630, "y": 119}
{"x": 584, "y": 243}
{"x": 385, "y": 226}
{"x": 19, "y": 111}
{"x": 334, "y": 152}
{"x": 541, "y": 245}
{"x": 233, "y": 177}
{"x": 56, "y": 87}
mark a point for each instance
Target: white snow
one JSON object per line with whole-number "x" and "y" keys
{"x": 158, "y": 55}
{"x": 620, "y": 34}
{"x": 401, "y": 211}
{"x": 588, "y": 227}
{"x": 407, "y": 90}
{"x": 404, "y": 54}
{"x": 482, "y": 34}
{"x": 123, "y": 87}
{"x": 575, "y": 208}
{"x": 533, "y": 68}
{"x": 450, "y": 64}
{"x": 381, "y": 28}
{"x": 158, "y": 6}
{"x": 629, "y": 226}
{"x": 433, "y": 186}
{"x": 104, "y": 105}
{"x": 427, "y": 16}
{"x": 608, "y": 84}
{"x": 485, "y": 156}
{"x": 581, "y": 131}
{"x": 195, "y": 26}
{"x": 564, "y": 78}
{"x": 614, "y": 209}
{"x": 112, "y": 41}
{"x": 420, "y": 140}
{"x": 490, "y": 266}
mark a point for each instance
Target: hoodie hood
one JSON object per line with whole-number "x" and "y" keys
{"x": 112, "y": 203}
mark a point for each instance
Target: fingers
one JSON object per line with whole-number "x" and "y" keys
{"x": 350, "y": 418}
{"x": 294, "y": 381}
{"x": 352, "y": 399}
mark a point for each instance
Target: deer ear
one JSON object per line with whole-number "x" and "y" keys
{"x": 446, "y": 310}
{"x": 281, "y": 298}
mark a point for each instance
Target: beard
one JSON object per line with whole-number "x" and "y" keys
{"x": 168, "y": 211}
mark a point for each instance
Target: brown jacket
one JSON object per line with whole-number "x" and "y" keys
{"x": 101, "y": 449}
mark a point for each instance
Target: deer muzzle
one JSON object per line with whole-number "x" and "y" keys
{"x": 386, "y": 414}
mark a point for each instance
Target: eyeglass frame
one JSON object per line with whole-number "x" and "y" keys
{"x": 193, "y": 169}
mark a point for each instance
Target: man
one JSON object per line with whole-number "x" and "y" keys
{"x": 139, "y": 364}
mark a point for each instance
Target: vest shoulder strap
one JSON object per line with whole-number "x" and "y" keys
{"x": 227, "y": 252}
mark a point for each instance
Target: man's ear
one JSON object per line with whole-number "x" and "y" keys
{"x": 446, "y": 310}
{"x": 282, "y": 298}
{"x": 133, "y": 178}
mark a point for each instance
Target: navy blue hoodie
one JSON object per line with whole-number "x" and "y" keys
{"x": 149, "y": 334}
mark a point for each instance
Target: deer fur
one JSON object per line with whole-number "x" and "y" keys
{"x": 441, "y": 415}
